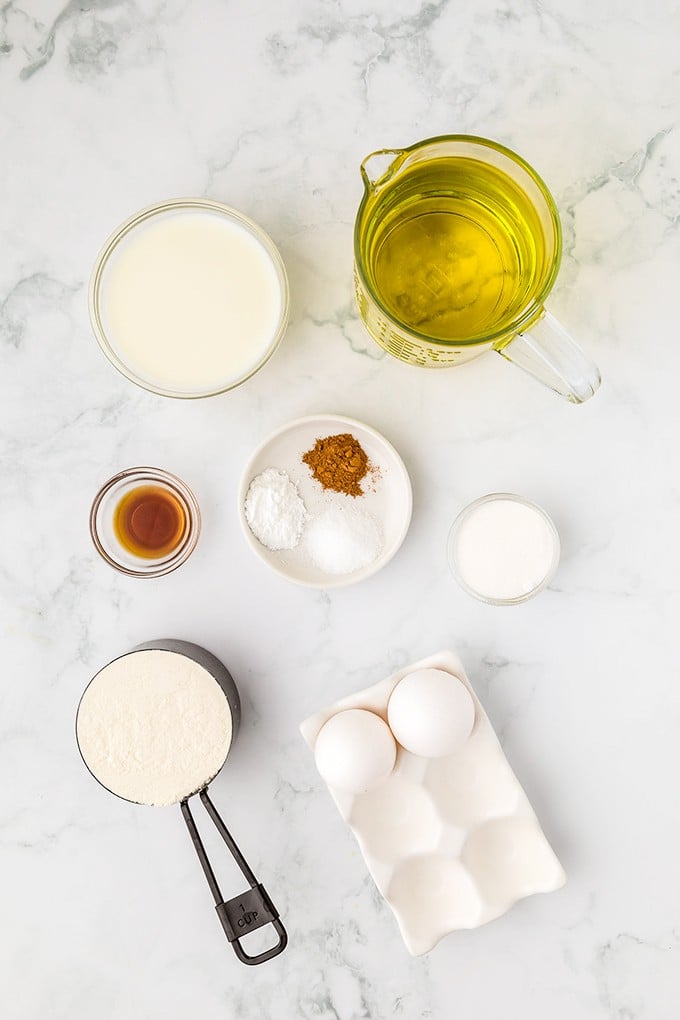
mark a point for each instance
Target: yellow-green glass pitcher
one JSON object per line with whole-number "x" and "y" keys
{"x": 457, "y": 244}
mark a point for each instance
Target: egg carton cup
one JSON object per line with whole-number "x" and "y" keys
{"x": 450, "y": 842}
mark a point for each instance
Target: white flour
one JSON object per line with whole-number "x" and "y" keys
{"x": 154, "y": 727}
{"x": 274, "y": 511}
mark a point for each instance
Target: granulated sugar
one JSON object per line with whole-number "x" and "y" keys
{"x": 154, "y": 727}
{"x": 342, "y": 539}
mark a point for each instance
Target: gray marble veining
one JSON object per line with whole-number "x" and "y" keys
{"x": 108, "y": 105}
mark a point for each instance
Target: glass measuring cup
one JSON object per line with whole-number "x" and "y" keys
{"x": 457, "y": 244}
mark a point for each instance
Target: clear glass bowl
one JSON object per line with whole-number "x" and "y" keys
{"x": 103, "y": 533}
{"x": 452, "y": 554}
{"x": 171, "y": 207}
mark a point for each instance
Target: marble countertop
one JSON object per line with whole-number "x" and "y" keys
{"x": 109, "y": 105}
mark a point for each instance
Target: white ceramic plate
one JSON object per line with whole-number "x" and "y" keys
{"x": 388, "y": 495}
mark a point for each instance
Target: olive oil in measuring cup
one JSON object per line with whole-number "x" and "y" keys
{"x": 457, "y": 244}
{"x": 456, "y": 250}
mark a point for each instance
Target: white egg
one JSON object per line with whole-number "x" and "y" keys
{"x": 431, "y": 712}
{"x": 355, "y": 751}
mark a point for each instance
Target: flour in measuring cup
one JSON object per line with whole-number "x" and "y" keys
{"x": 154, "y": 727}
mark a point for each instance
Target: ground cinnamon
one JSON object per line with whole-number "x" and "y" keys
{"x": 339, "y": 463}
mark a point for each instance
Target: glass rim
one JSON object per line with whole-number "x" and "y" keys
{"x": 189, "y": 503}
{"x": 534, "y": 309}
{"x": 122, "y": 231}
{"x": 453, "y": 534}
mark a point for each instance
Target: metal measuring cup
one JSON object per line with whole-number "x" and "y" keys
{"x": 252, "y": 909}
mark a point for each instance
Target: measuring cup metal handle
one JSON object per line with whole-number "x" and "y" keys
{"x": 223, "y": 912}
{"x": 245, "y": 913}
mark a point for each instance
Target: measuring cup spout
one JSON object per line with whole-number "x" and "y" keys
{"x": 380, "y": 166}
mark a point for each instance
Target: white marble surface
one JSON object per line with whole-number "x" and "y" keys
{"x": 107, "y": 106}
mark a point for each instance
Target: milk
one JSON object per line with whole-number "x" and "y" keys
{"x": 191, "y": 301}
{"x": 503, "y": 549}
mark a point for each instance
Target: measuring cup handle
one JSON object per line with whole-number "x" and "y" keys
{"x": 548, "y": 352}
{"x": 245, "y": 913}
{"x": 262, "y": 911}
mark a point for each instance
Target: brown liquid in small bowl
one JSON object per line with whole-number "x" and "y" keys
{"x": 150, "y": 522}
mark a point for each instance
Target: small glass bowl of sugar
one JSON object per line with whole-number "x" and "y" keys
{"x": 503, "y": 549}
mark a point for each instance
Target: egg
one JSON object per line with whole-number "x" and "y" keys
{"x": 431, "y": 712}
{"x": 355, "y": 751}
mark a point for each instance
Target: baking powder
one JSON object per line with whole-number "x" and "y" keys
{"x": 274, "y": 510}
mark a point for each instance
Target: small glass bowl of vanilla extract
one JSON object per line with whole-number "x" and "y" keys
{"x": 145, "y": 522}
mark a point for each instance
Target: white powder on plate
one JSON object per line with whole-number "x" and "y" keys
{"x": 274, "y": 510}
{"x": 154, "y": 727}
{"x": 342, "y": 539}
{"x": 504, "y": 549}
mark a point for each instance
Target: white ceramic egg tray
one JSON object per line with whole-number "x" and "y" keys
{"x": 451, "y": 842}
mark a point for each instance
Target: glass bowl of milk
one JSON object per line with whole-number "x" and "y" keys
{"x": 189, "y": 298}
{"x": 503, "y": 549}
